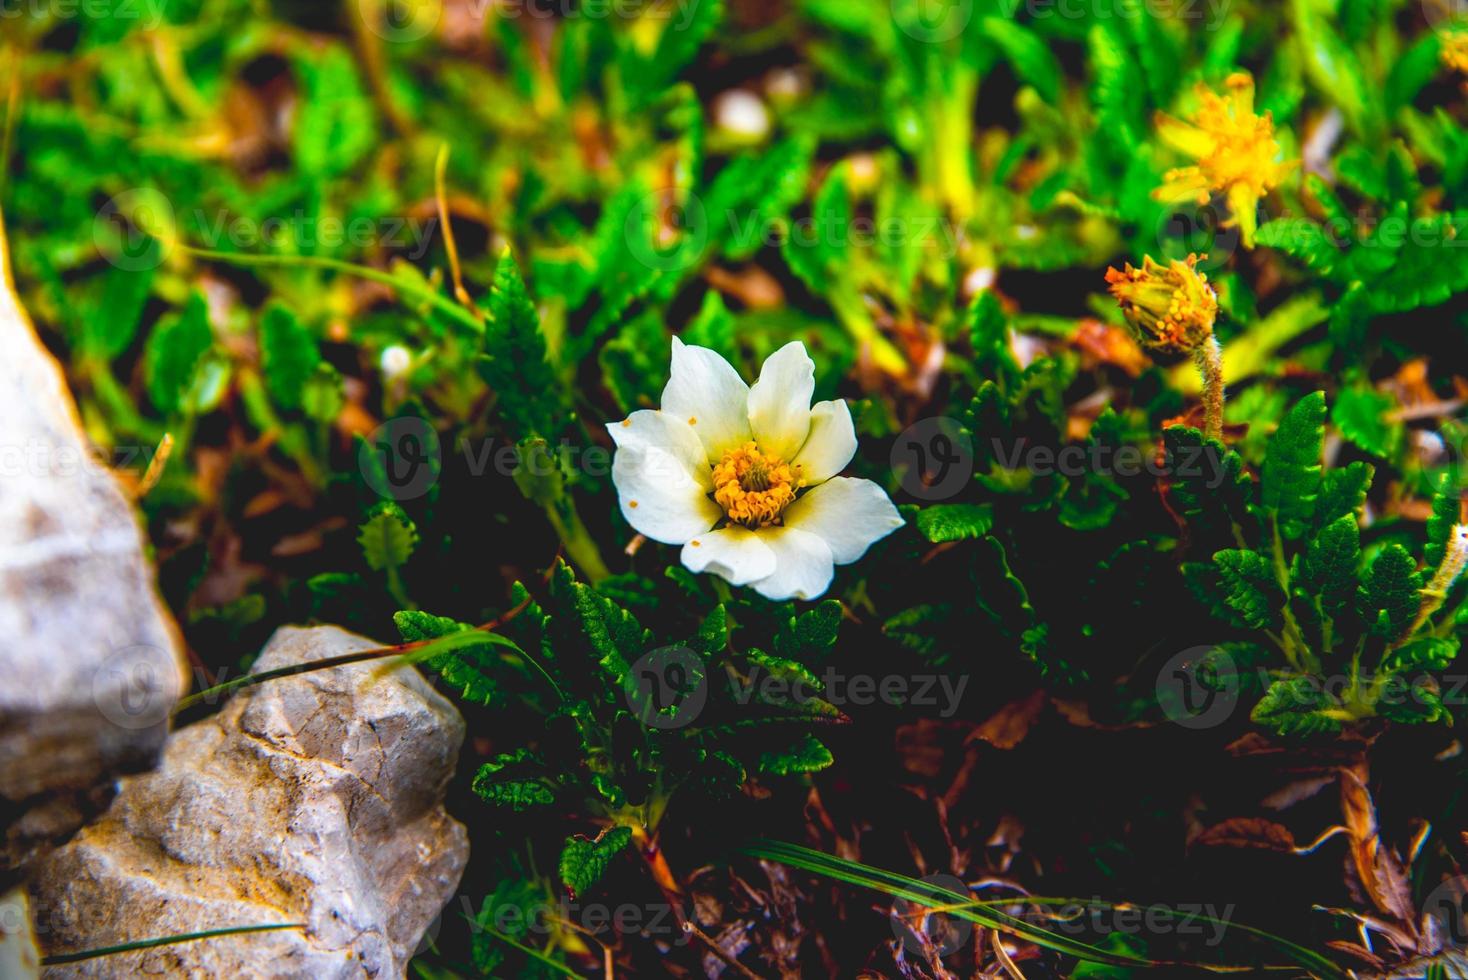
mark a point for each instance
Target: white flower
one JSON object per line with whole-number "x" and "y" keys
{"x": 760, "y": 464}
{"x": 395, "y": 361}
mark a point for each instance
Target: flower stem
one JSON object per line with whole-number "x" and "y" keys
{"x": 580, "y": 547}
{"x": 1209, "y": 357}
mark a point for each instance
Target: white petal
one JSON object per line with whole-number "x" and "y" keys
{"x": 779, "y": 402}
{"x": 659, "y": 497}
{"x": 830, "y": 445}
{"x": 850, "y": 515}
{"x": 647, "y": 428}
{"x": 803, "y": 565}
{"x": 710, "y": 397}
{"x": 734, "y": 553}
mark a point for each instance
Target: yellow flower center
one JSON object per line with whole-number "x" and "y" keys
{"x": 752, "y": 487}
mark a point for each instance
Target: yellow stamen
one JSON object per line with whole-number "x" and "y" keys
{"x": 752, "y": 487}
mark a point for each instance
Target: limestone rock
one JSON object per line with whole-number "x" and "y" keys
{"x": 91, "y": 661}
{"x": 315, "y": 799}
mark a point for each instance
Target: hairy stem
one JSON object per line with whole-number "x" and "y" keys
{"x": 1209, "y": 357}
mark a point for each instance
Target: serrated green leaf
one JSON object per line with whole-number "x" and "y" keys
{"x": 1389, "y": 598}
{"x": 388, "y": 537}
{"x": 1329, "y": 565}
{"x": 610, "y": 634}
{"x": 1447, "y": 508}
{"x": 806, "y": 755}
{"x": 1027, "y": 52}
{"x": 810, "y": 636}
{"x": 1423, "y": 653}
{"x": 955, "y": 522}
{"x": 1342, "y": 492}
{"x": 336, "y": 124}
{"x": 1250, "y": 588}
{"x": 1208, "y": 487}
{"x": 172, "y": 355}
{"x": 584, "y": 861}
{"x": 323, "y": 397}
{"x": 1290, "y": 481}
{"x": 1296, "y": 706}
{"x": 515, "y": 363}
{"x": 1363, "y": 416}
{"x": 109, "y": 329}
{"x": 288, "y": 353}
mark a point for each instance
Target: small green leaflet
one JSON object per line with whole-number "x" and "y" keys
{"x": 584, "y": 861}
{"x": 387, "y": 538}
{"x": 1290, "y": 483}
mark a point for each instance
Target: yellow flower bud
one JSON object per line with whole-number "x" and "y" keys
{"x": 1171, "y": 308}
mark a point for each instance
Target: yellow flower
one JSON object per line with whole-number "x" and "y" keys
{"x": 1170, "y": 307}
{"x": 1455, "y": 51}
{"x": 1235, "y": 149}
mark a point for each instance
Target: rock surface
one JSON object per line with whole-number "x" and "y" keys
{"x": 91, "y": 662}
{"x": 314, "y": 799}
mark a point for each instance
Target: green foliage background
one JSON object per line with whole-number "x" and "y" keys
{"x": 226, "y": 215}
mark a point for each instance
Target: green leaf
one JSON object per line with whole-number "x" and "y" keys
{"x": 174, "y": 348}
{"x": 1027, "y": 52}
{"x": 1116, "y": 89}
{"x": 110, "y": 327}
{"x": 1305, "y": 241}
{"x": 1330, "y": 562}
{"x": 1423, "y": 653}
{"x": 1250, "y": 587}
{"x": 806, "y": 755}
{"x": 1342, "y": 492}
{"x": 683, "y": 34}
{"x": 810, "y": 636}
{"x": 1290, "y": 482}
{"x": 1209, "y": 488}
{"x": 582, "y": 617}
{"x": 1447, "y": 509}
{"x": 289, "y": 354}
{"x": 388, "y": 537}
{"x": 515, "y": 364}
{"x": 713, "y": 327}
{"x": 955, "y": 522}
{"x": 335, "y": 124}
{"x": 507, "y": 781}
{"x": 323, "y": 398}
{"x": 468, "y": 669}
{"x": 1296, "y": 706}
{"x": 584, "y": 861}
{"x": 1362, "y": 415}
{"x": 1389, "y": 599}
{"x": 713, "y": 634}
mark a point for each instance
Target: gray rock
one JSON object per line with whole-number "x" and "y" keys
{"x": 314, "y": 799}
{"x": 91, "y": 661}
